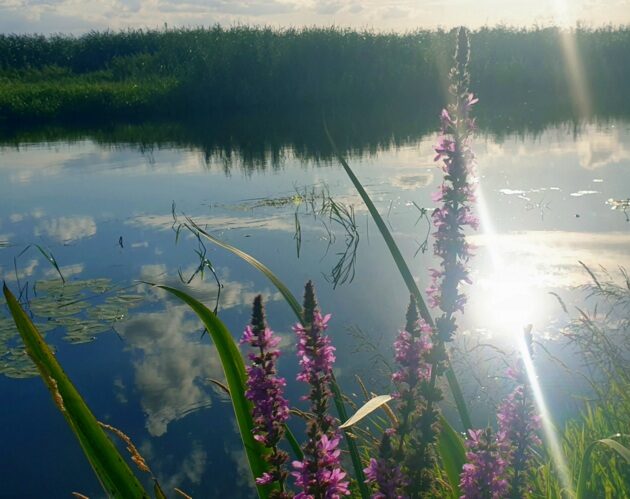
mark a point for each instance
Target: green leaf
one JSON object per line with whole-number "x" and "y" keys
{"x": 157, "y": 491}
{"x": 234, "y": 370}
{"x": 405, "y": 273}
{"x": 297, "y": 310}
{"x": 295, "y": 445}
{"x": 51, "y": 259}
{"x": 111, "y": 469}
{"x": 582, "y": 491}
{"x": 367, "y": 408}
{"x": 286, "y": 293}
{"x": 451, "y": 448}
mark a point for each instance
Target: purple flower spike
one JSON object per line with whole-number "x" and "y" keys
{"x": 265, "y": 389}
{"x": 410, "y": 351}
{"x": 481, "y": 476}
{"x": 455, "y": 195}
{"x": 385, "y": 474}
{"x": 320, "y": 474}
{"x": 518, "y": 428}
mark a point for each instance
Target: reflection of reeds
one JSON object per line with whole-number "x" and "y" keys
{"x": 343, "y": 215}
{"x": 201, "y": 252}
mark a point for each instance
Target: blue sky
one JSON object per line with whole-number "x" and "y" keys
{"x": 77, "y": 16}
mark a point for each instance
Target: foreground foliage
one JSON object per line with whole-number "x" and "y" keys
{"x": 416, "y": 453}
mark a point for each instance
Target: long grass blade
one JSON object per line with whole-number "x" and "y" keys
{"x": 286, "y": 293}
{"x": 452, "y": 452}
{"x": 405, "y": 273}
{"x": 111, "y": 469}
{"x": 52, "y": 260}
{"x": 297, "y": 310}
{"x": 234, "y": 370}
{"x": 582, "y": 491}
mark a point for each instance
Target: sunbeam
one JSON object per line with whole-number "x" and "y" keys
{"x": 553, "y": 444}
{"x": 510, "y": 300}
{"x": 505, "y": 286}
{"x": 574, "y": 69}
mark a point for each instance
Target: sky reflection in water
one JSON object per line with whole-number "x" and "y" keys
{"x": 105, "y": 211}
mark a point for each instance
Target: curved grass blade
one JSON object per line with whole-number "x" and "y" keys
{"x": 234, "y": 369}
{"x": 405, "y": 273}
{"x": 111, "y": 469}
{"x": 366, "y": 409}
{"x": 582, "y": 491}
{"x": 293, "y": 443}
{"x": 451, "y": 448}
{"x": 288, "y": 296}
{"x": 157, "y": 491}
{"x": 52, "y": 260}
{"x": 297, "y": 310}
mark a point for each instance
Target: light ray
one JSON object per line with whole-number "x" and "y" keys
{"x": 574, "y": 69}
{"x": 508, "y": 304}
{"x": 507, "y": 285}
{"x": 551, "y": 436}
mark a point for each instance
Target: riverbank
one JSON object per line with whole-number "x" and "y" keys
{"x": 191, "y": 72}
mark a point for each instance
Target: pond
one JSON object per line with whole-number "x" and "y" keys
{"x": 104, "y": 207}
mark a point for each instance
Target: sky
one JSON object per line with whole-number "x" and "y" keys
{"x": 79, "y": 16}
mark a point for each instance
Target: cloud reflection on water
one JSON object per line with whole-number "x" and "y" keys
{"x": 171, "y": 364}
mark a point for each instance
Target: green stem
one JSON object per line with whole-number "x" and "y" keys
{"x": 405, "y": 273}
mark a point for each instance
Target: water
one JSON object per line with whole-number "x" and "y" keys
{"x": 103, "y": 204}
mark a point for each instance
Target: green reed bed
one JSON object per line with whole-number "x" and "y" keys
{"x": 183, "y": 71}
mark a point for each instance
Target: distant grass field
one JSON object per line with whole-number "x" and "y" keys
{"x": 187, "y": 72}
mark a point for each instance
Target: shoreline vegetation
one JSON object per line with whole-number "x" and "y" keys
{"x": 183, "y": 74}
{"x": 399, "y": 444}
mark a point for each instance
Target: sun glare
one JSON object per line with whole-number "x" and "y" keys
{"x": 510, "y": 291}
{"x": 511, "y": 299}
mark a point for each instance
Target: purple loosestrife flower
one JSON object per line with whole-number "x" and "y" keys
{"x": 410, "y": 352}
{"x": 265, "y": 389}
{"x": 482, "y": 475}
{"x": 518, "y": 427}
{"x": 455, "y": 195}
{"x": 385, "y": 474}
{"x": 319, "y": 475}
{"x": 415, "y": 430}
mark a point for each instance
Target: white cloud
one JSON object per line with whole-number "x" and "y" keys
{"x": 67, "y": 229}
{"x": 171, "y": 365}
{"x": 24, "y": 270}
{"x": 600, "y": 148}
{"x": 67, "y": 271}
{"x": 191, "y": 469}
{"x": 412, "y": 182}
{"x": 550, "y": 259}
{"x": 81, "y": 16}
{"x": 233, "y": 293}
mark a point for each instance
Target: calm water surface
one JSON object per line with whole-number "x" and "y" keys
{"x": 104, "y": 210}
